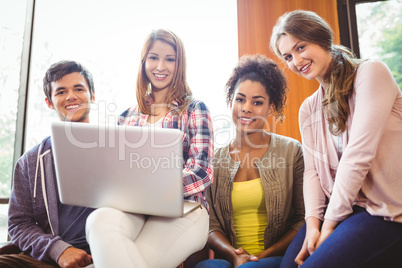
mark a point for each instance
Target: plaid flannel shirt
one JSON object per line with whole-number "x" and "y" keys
{"x": 198, "y": 145}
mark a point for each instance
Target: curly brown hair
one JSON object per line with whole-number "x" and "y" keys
{"x": 258, "y": 68}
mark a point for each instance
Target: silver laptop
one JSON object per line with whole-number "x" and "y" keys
{"x": 133, "y": 169}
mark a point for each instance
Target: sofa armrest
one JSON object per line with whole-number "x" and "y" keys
{"x": 9, "y": 248}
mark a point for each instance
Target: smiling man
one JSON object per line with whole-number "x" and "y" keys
{"x": 49, "y": 233}
{"x": 69, "y": 91}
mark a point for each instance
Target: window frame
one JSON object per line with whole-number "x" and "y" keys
{"x": 347, "y": 21}
{"x": 20, "y": 128}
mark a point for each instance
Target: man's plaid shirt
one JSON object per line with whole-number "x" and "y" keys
{"x": 198, "y": 145}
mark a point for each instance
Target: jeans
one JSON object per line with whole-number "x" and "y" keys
{"x": 271, "y": 262}
{"x": 361, "y": 240}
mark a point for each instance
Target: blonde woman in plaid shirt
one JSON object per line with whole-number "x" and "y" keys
{"x": 119, "y": 239}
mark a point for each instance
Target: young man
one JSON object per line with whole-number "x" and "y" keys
{"x": 48, "y": 232}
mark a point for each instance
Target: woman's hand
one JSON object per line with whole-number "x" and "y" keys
{"x": 219, "y": 243}
{"x": 309, "y": 246}
{"x": 242, "y": 256}
{"x": 327, "y": 228}
{"x": 310, "y": 241}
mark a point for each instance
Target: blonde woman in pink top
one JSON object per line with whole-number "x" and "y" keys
{"x": 352, "y": 143}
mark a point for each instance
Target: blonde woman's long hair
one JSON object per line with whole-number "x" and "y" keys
{"x": 308, "y": 26}
{"x": 178, "y": 89}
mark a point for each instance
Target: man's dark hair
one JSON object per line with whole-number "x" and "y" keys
{"x": 62, "y": 68}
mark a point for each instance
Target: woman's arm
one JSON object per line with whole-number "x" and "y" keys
{"x": 375, "y": 94}
{"x": 314, "y": 197}
{"x": 279, "y": 248}
{"x": 198, "y": 171}
{"x": 218, "y": 242}
{"x": 313, "y": 226}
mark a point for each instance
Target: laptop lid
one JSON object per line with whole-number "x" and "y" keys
{"x": 133, "y": 169}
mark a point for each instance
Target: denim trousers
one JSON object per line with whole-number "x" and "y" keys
{"x": 271, "y": 262}
{"x": 361, "y": 240}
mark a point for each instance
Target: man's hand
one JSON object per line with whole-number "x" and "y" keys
{"x": 242, "y": 257}
{"x": 74, "y": 257}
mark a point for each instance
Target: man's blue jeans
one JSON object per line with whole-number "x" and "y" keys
{"x": 361, "y": 240}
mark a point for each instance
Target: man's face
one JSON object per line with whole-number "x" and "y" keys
{"x": 71, "y": 98}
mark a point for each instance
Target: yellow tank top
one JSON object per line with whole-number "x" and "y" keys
{"x": 249, "y": 215}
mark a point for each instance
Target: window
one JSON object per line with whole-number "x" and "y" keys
{"x": 12, "y": 22}
{"x": 373, "y": 30}
{"x": 108, "y": 41}
{"x": 107, "y": 37}
{"x": 379, "y": 27}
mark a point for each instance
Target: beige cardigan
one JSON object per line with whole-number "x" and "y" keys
{"x": 281, "y": 171}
